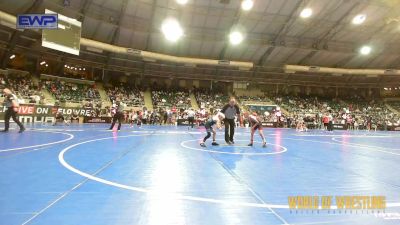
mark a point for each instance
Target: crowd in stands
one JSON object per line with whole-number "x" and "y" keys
{"x": 355, "y": 112}
{"x": 70, "y": 92}
{"x": 167, "y": 98}
{"x": 23, "y": 87}
{"x": 253, "y": 99}
{"x": 395, "y": 105}
{"x": 131, "y": 96}
{"x": 172, "y": 104}
{"x": 208, "y": 99}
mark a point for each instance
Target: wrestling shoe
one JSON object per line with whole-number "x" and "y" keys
{"x": 264, "y": 144}
{"x": 202, "y": 145}
{"x": 215, "y": 144}
{"x": 251, "y": 145}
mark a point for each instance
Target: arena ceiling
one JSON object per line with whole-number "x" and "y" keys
{"x": 275, "y": 34}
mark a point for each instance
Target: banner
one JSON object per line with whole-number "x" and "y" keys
{"x": 269, "y": 124}
{"x": 393, "y": 128}
{"x": 102, "y": 119}
{"x": 183, "y": 122}
{"x": 339, "y": 126}
{"x": 44, "y": 114}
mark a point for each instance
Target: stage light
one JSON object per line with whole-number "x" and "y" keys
{"x": 65, "y": 66}
{"x": 182, "y": 2}
{"x": 47, "y": 65}
{"x": 172, "y": 30}
{"x": 236, "y": 37}
{"x": 84, "y": 69}
{"x": 359, "y": 19}
{"x": 12, "y": 56}
{"x": 365, "y": 50}
{"x": 42, "y": 63}
{"x": 305, "y": 13}
{"x": 247, "y": 5}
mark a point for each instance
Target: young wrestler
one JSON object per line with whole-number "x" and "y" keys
{"x": 60, "y": 118}
{"x": 255, "y": 122}
{"x": 210, "y": 127}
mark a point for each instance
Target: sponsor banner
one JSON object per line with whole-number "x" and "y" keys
{"x": 183, "y": 122}
{"x": 43, "y": 114}
{"x": 37, "y": 21}
{"x": 88, "y": 119}
{"x": 269, "y": 124}
{"x": 339, "y": 126}
{"x": 393, "y": 128}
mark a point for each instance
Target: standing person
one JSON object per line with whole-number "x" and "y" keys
{"x": 325, "y": 121}
{"x": 11, "y": 102}
{"x": 165, "y": 116}
{"x": 210, "y": 127}
{"x": 131, "y": 116}
{"x": 169, "y": 120}
{"x": 230, "y": 110}
{"x": 138, "y": 119}
{"x": 191, "y": 114}
{"x": 255, "y": 122}
{"x": 145, "y": 116}
{"x": 119, "y": 114}
{"x": 369, "y": 123}
{"x": 330, "y": 121}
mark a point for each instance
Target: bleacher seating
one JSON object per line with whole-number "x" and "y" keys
{"x": 207, "y": 99}
{"x": 71, "y": 92}
{"x": 23, "y": 87}
{"x": 171, "y": 98}
{"x": 129, "y": 95}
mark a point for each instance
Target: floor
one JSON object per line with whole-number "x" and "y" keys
{"x": 159, "y": 175}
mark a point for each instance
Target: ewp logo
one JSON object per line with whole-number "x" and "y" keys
{"x": 37, "y": 21}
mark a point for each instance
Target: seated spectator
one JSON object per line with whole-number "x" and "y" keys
{"x": 71, "y": 92}
{"x": 129, "y": 95}
{"x": 208, "y": 99}
{"x": 171, "y": 98}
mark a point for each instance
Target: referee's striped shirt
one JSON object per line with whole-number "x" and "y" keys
{"x": 230, "y": 111}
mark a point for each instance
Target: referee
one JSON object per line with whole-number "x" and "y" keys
{"x": 230, "y": 110}
{"x": 119, "y": 114}
{"x": 191, "y": 114}
{"x": 11, "y": 102}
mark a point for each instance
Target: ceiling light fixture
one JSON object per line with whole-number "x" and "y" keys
{"x": 172, "y": 30}
{"x": 182, "y": 2}
{"x": 365, "y": 50}
{"x": 247, "y": 5}
{"x": 305, "y": 13}
{"x": 359, "y": 19}
{"x": 236, "y": 37}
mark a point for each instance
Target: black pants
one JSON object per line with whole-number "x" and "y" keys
{"x": 229, "y": 129}
{"x": 191, "y": 121}
{"x": 10, "y": 113}
{"x": 209, "y": 130}
{"x": 330, "y": 126}
{"x": 117, "y": 116}
{"x": 207, "y": 137}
